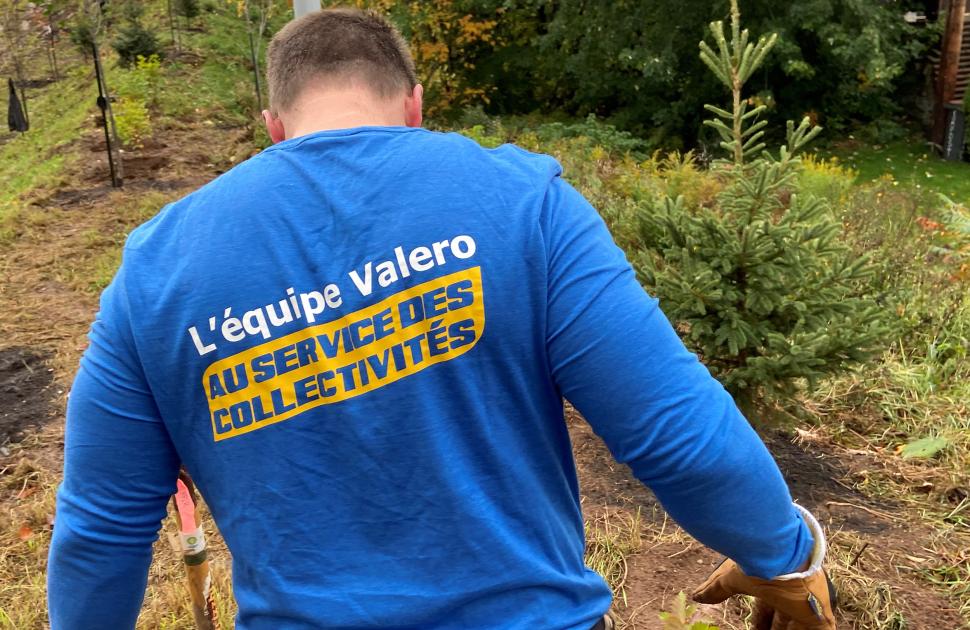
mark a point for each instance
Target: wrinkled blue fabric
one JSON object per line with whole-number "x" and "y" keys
{"x": 394, "y": 455}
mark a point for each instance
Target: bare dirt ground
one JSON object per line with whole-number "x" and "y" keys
{"x": 47, "y": 303}
{"x": 883, "y": 543}
{"x": 24, "y": 397}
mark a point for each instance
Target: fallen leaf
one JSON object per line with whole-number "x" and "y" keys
{"x": 924, "y": 448}
{"x": 26, "y": 492}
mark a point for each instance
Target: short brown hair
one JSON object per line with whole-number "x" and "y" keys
{"x": 340, "y": 45}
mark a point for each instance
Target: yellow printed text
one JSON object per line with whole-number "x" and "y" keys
{"x": 403, "y": 334}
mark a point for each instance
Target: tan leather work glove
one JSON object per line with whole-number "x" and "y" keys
{"x": 797, "y": 601}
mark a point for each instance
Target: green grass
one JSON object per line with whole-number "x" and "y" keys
{"x": 222, "y": 80}
{"x": 911, "y": 163}
{"x": 98, "y": 254}
{"x": 211, "y": 80}
{"x": 37, "y": 158}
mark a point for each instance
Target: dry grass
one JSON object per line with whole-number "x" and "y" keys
{"x": 919, "y": 388}
{"x": 610, "y": 538}
{"x": 950, "y": 547}
{"x": 668, "y": 531}
{"x": 28, "y": 490}
{"x": 866, "y": 600}
{"x": 90, "y": 257}
{"x": 929, "y": 495}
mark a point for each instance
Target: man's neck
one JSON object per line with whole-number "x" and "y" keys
{"x": 343, "y": 109}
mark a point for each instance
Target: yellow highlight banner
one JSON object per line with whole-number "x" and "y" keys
{"x": 430, "y": 323}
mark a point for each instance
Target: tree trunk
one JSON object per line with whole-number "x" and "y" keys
{"x": 946, "y": 79}
{"x": 57, "y": 74}
{"x": 176, "y": 31}
{"x": 52, "y": 25}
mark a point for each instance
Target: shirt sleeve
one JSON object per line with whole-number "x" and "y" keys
{"x": 617, "y": 359}
{"x": 119, "y": 470}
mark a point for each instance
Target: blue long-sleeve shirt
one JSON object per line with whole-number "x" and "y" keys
{"x": 357, "y": 343}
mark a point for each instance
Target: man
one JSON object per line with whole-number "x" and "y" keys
{"x": 358, "y": 343}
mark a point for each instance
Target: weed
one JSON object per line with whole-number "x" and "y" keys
{"x": 682, "y": 616}
{"x": 133, "y": 121}
{"x": 828, "y": 179}
{"x": 610, "y": 538}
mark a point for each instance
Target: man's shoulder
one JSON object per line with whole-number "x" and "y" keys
{"x": 248, "y": 186}
{"x": 507, "y": 157}
{"x": 224, "y": 192}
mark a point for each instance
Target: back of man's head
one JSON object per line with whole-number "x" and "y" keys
{"x": 338, "y": 48}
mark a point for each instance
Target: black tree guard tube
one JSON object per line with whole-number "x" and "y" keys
{"x": 103, "y": 106}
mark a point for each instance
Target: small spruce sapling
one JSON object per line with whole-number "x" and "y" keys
{"x": 133, "y": 40}
{"x": 758, "y": 283}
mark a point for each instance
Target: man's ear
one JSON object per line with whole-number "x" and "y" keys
{"x": 274, "y": 127}
{"x": 412, "y": 107}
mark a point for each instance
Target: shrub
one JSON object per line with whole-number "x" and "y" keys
{"x": 187, "y": 8}
{"x": 758, "y": 281}
{"x": 149, "y": 72}
{"x": 141, "y": 80}
{"x": 133, "y": 120}
{"x": 130, "y": 10}
{"x": 480, "y": 134}
{"x": 684, "y": 178}
{"x": 137, "y": 89}
{"x": 83, "y": 33}
{"x": 133, "y": 41}
{"x": 447, "y": 38}
{"x": 597, "y": 133}
{"x": 827, "y": 179}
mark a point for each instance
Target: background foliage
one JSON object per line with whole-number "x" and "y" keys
{"x": 635, "y": 63}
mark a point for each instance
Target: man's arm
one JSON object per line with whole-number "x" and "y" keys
{"x": 119, "y": 470}
{"x": 617, "y": 359}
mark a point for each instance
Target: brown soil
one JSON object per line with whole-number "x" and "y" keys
{"x": 819, "y": 479}
{"x": 25, "y": 397}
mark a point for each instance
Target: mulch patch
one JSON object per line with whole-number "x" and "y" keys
{"x": 26, "y": 394}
